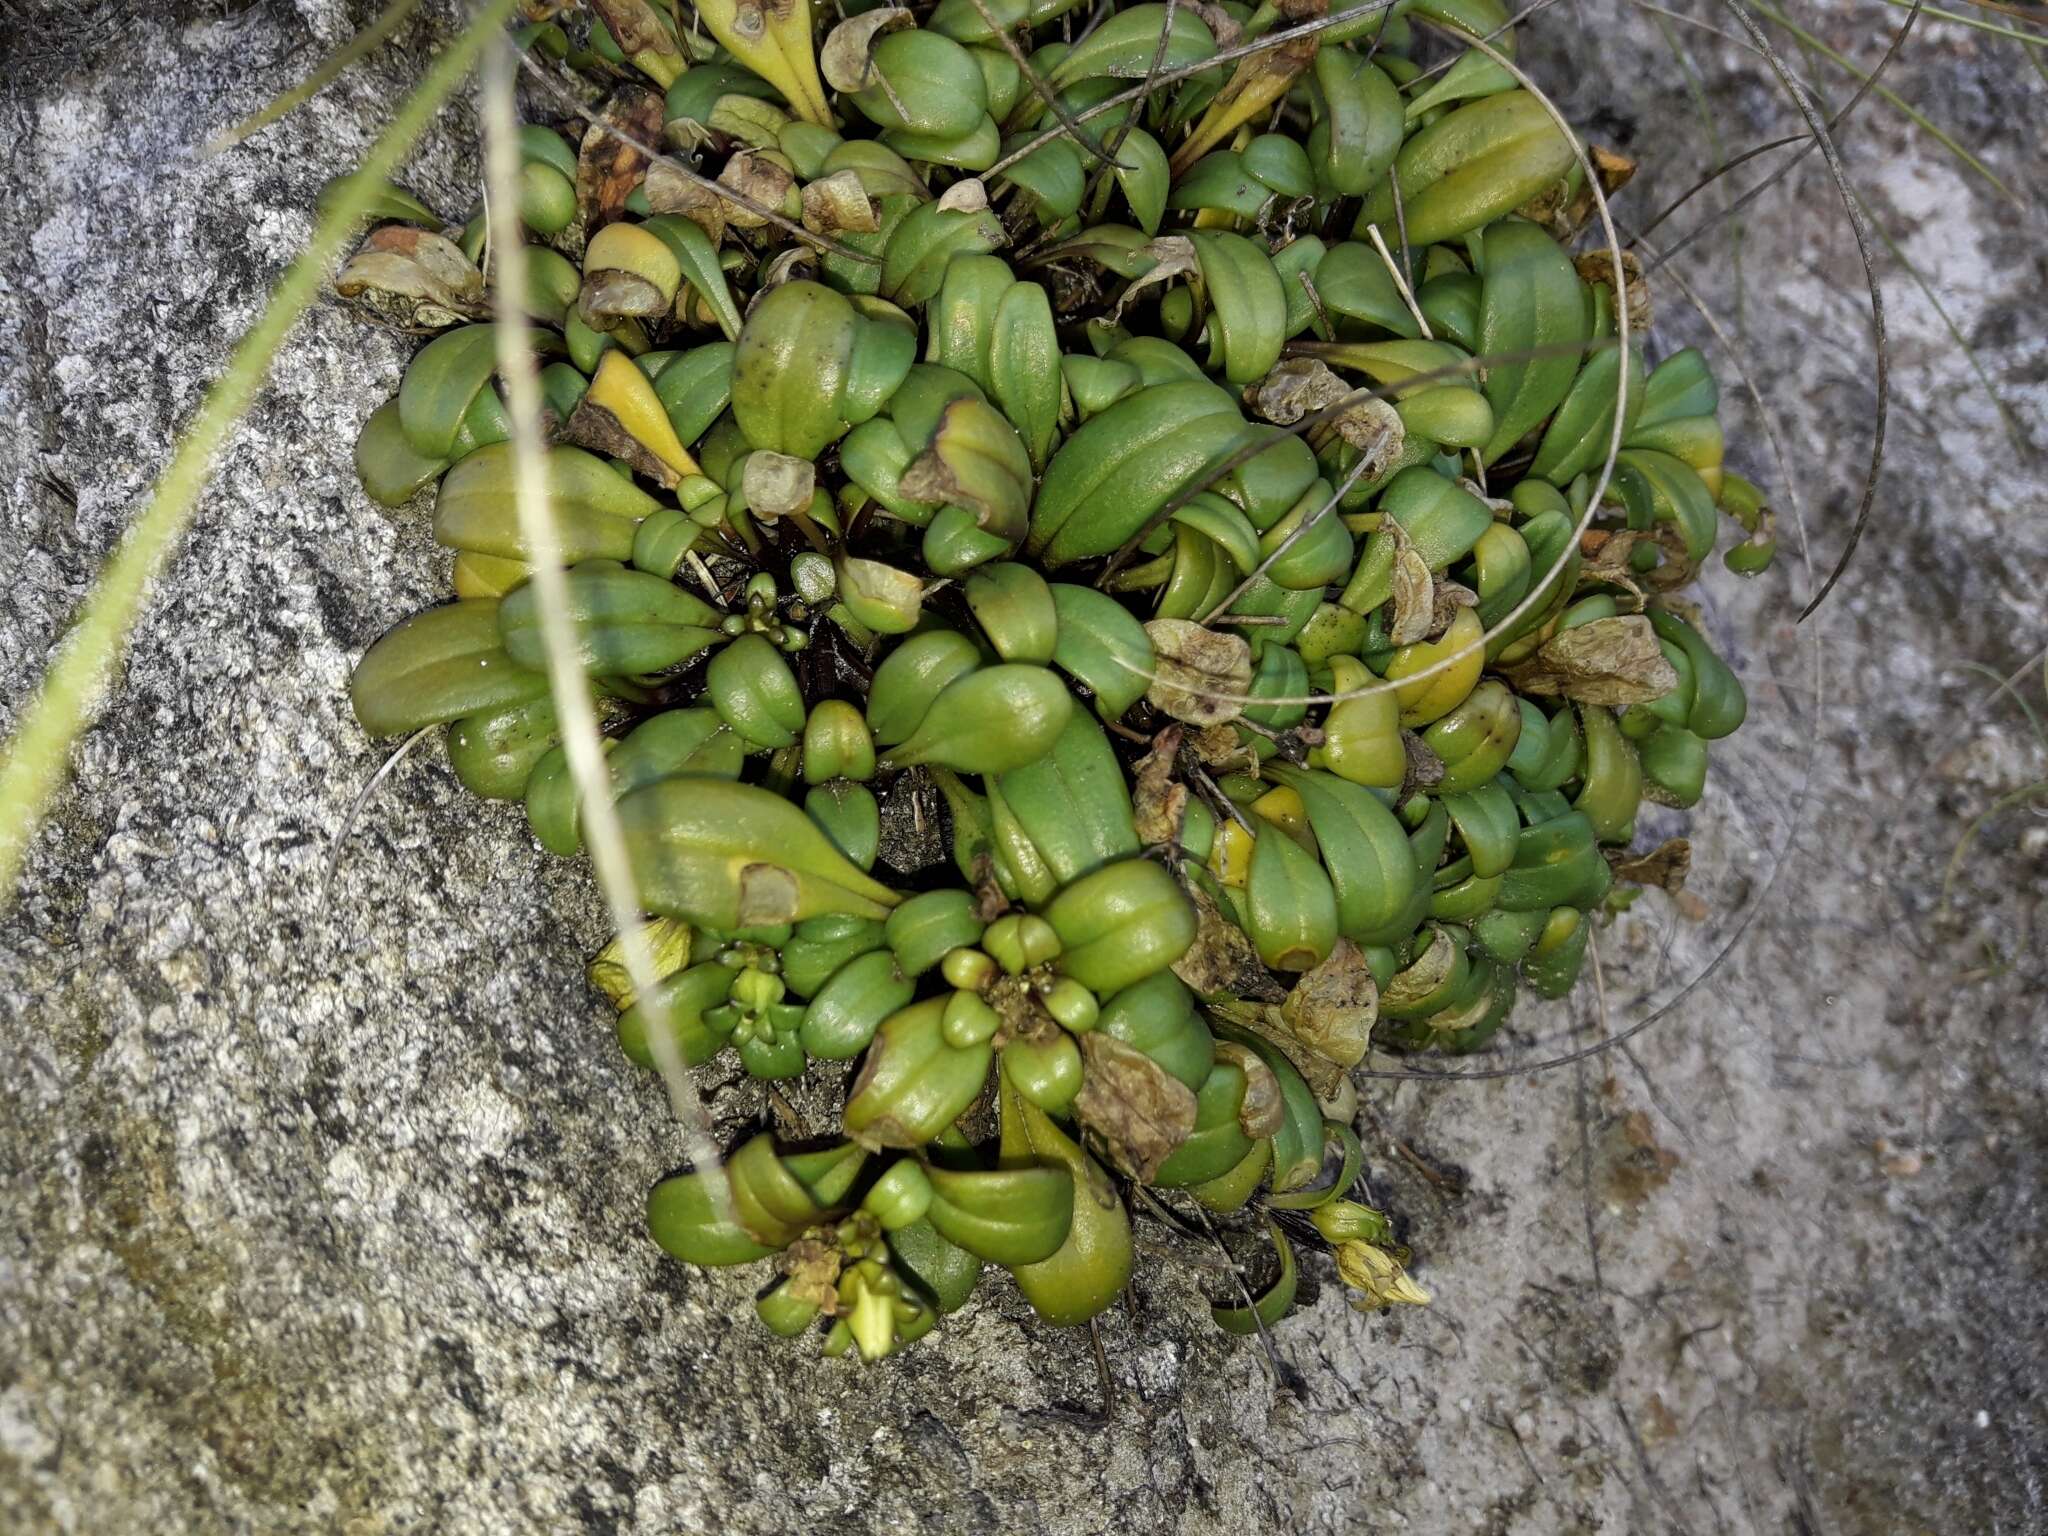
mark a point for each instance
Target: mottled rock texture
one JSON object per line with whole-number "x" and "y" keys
{"x": 320, "y": 1206}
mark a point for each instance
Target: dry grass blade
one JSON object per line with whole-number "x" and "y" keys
{"x": 2031, "y": 39}
{"x": 609, "y": 857}
{"x": 355, "y": 809}
{"x": 36, "y": 757}
{"x": 1807, "y": 141}
{"x": 2022, "y": 449}
{"x": 1926, "y": 124}
{"x": 1881, "y": 343}
{"x": 324, "y": 74}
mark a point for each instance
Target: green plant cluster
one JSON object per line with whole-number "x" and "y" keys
{"x": 1212, "y": 568}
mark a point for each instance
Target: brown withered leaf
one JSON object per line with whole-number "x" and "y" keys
{"x": 1296, "y": 387}
{"x": 1446, "y": 598}
{"x": 1172, "y": 256}
{"x": 1140, "y": 1111}
{"x": 989, "y": 901}
{"x": 794, "y": 264}
{"x": 1219, "y": 747}
{"x": 1224, "y": 27}
{"x": 1615, "y": 662}
{"x": 968, "y": 195}
{"x": 1598, "y": 267}
{"x": 837, "y": 203}
{"x": 413, "y": 279}
{"x": 753, "y": 175}
{"x": 670, "y": 191}
{"x": 1302, "y": 386}
{"x": 1222, "y": 959}
{"x": 1664, "y": 866}
{"x": 1425, "y": 769}
{"x": 609, "y": 292}
{"x": 1425, "y": 973}
{"x": 1333, "y": 1008}
{"x": 1200, "y": 675}
{"x": 1158, "y": 804}
{"x": 1608, "y": 558}
{"x": 607, "y": 167}
{"x": 594, "y": 427}
{"x": 1414, "y": 593}
{"x": 1503, "y": 508}
{"x": 1264, "y": 1109}
{"x": 1322, "y": 1075}
{"x": 1564, "y": 213}
{"x": 847, "y": 59}
{"x": 812, "y": 1265}
{"x": 777, "y": 484}
{"x": 635, "y": 27}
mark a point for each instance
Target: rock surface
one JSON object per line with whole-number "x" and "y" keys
{"x": 320, "y": 1206}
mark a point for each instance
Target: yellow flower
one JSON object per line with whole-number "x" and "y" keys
{"x": 1379, "y": 1275}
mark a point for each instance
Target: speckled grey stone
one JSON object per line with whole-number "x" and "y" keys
{"x": 320, "y": 1210}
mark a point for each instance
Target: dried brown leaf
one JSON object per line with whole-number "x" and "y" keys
{"x": 670, "y": 191}
{"x": 1615, "y": 662}
{"x": 1140, "y": 1111}
{"x": 1158, "y": 804}
{"x": 1323, "y": 1076}
{"x": 593, "y": 426}
{"x": 1172, "y": 256}
{"x": 1664, "y": 866}
{"x": 1220, "y": 748}
{"x": 1199, "y": 674}
{"x": 777, "y": 484}
{"x": 1222, "y": 960}
{"x": 1414, "y": 593}
{"x": 1333, "y": 1008}
{"x": 839, "y": 203}
{"x": 414, "y": 279}
{"x": 1302, "y": 386}
{"x": 1424, "y": 974}
{"x": 1264, "y": 1109}
{"x": 847, "y": 60}
{"x": 812, "y": 1265}
{"x": 1598, "y": 267}
{"x": 635, "y": 27}
{"x": 759, "y": 175}
{"x": 1425, "y": 769}
{"x": 607, "y": 167}
{"x": 1446, "y": 598}
{"x": 968, "y": 195}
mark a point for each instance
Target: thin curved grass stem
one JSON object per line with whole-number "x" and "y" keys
{"x": 2035, "y": 791}
{"x": 1881, "y": 345}
{"x": 324, "y": 74}
{"x": 570, "y": 688}
{"x": 1926, "y": 124}
{"x": 1809, "y": 142}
